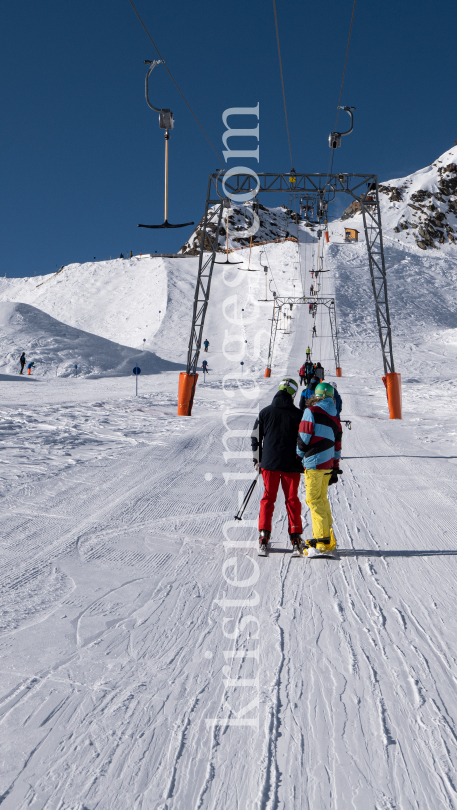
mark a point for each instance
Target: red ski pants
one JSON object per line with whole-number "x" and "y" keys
{"x": 289, "y": 482}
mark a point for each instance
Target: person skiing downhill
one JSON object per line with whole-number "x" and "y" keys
{"x": 319, "y": 447}
{"x": 205, "y": 367}
{"x": 308, "y": 350}
{"x": 206, "y": 344}
{"x": 22, "y": 362}
{"x": 274, "y": 441}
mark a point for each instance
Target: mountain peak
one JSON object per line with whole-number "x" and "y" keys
{"x": 421, "y": 207}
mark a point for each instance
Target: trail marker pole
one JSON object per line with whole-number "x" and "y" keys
{"x": 136, "y": 372}
{"x": 76, "y": 370}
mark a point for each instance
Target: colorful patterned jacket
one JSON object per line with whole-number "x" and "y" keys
{"x": 319, "y": 436}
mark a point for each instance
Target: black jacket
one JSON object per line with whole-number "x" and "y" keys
{"x": 274, "y": 438}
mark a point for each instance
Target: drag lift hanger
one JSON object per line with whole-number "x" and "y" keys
{"x": 166, "y": 122}
{"x": 226, "y": 203}
{"x": 334, "y": 139}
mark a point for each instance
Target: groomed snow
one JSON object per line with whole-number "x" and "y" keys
{"x": 121, "y": 652}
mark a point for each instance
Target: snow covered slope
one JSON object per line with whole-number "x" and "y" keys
{"x": 122, "y": 300}
{"x": 56, "y": 347}
{"x": 149, "y": 659}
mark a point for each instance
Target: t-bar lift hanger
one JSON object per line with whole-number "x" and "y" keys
{"x": 166, "y": 122}
{"x": 334, "y": 139}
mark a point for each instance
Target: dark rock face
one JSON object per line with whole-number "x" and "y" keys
{"x": 353, "y": 209}
{"x": 273, "y": 225}
{"x": 422, "y": 245}
{"x": 394, "y": 193}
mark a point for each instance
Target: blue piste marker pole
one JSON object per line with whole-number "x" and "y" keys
{"x": 76, "y": 370}
{"x": 136, "y": 372}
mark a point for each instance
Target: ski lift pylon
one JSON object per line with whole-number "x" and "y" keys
{"x": 166, "y": 122}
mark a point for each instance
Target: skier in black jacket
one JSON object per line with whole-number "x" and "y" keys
{"x": 273, "y": 441}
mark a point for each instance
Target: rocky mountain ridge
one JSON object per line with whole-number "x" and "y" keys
{"x": 420, "y": 207}
{"x": 274, "y": 224}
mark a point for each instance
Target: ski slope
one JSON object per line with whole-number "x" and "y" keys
{"x": 137, "y": 672}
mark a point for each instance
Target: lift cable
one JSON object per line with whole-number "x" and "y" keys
{"x": 176, "y": 84}
{"x": 345, "y": 63}
{"x": 282, "y": 82}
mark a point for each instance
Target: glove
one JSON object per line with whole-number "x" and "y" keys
{"x": 257, "y": 466}
{"x": 334, "y": 476}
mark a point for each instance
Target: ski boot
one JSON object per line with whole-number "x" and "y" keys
{"x": 323, "y": 545}
{"x": 264, "y": 538}
{"x": 295, "y": 539}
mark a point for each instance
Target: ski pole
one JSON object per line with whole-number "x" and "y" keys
{"x": 247, "y": 497}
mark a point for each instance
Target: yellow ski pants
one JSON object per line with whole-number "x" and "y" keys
{"x": 317, "y": 482}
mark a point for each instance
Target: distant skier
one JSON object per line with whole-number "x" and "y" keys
{"x": 308, "y": 393}
{"x": 22, "y": 362}
{"x": 314, "y": 331}
{"x": 337, "y": 399}
{"x": 319, "y": 371}
{"x": 273, "y": 442}
{"x": 205, "y": 367}
{"x": 302, "y": 374}
{"x": 319, "y": 446}
{"x": 308, "y": 352}
{"x": 206, "y": 344}
{"x": 29, "y": 367}
{"x": 311, "y": 289}
{"x": 121, "y": 256}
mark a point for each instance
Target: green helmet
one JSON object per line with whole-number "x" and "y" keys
{"x": 324, "y": 390}
{"x": 289, "y": 385}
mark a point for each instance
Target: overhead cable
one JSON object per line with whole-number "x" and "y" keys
{"x": 345, "y": 63}
{"x": 176, "y": 84}
{"x": 282, "y": 83}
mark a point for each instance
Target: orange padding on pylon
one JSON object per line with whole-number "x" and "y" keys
{"x": 326, "y": 236}
{"x": 186, "y": 391}
{"x": 339, "y": 371}
{"x": 393, "y": 385}
{"x": 267, "y": 372}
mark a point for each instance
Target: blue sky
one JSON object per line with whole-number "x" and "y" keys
{"x": 82, "y": 155}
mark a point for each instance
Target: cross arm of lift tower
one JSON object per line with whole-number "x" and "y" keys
{"x": 246, "y": 186}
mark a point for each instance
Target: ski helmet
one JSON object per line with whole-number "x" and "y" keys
{"x": 289, "y": 385}
{"x": 324, "y": 390}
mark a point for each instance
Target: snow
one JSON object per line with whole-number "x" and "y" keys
{"x": 137, "y": 672}
{"x": 56, "y": 348}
